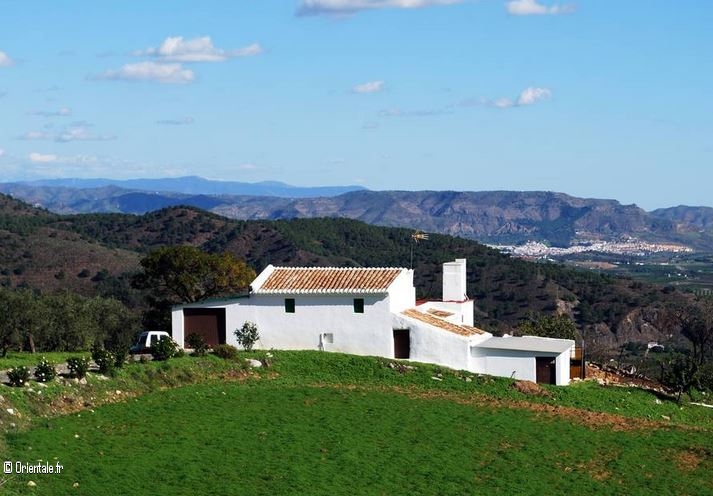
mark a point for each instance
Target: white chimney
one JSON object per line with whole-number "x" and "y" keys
{"x": 454, "y": 281}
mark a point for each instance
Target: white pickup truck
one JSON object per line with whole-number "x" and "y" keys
{"x": 147, "y": 339}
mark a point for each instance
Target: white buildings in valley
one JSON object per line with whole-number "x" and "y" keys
{"x": 373, "y": 311}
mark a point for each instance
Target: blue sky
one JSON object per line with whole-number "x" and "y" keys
{"x": 595, "y": 98}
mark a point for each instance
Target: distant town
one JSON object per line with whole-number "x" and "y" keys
{"x": 631, "y": 247}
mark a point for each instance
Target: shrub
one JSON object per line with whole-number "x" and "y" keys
{"x": 197, "y": 342}
{"x": 18, "y": 376}
{"x": 120, "y": 354}
{"x": 78, "y": 367}
{"x": 247, "y": 335}
{"x": 45, "y": 371}
{"x": 225, "y": 351}
{"x": 164, "y": 349}
{"x": 105, "y": 360}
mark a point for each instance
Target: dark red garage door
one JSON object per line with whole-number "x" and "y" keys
{"x": 208, "y": 322}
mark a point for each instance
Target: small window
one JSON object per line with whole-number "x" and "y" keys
{"x": 358, "y": 305}
{"x": 289, "y": 305}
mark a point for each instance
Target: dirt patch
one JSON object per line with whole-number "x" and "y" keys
{"x": 530, "y": 388}
{"x": 690, "y": 460}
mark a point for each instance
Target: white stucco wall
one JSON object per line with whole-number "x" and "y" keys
{"x": 517, "y": 364}
{"x": 367, "y": 333}
{"x": 433, "y": 345}
{"x": 563, "y": 365}
{"x": 402, "y": 293}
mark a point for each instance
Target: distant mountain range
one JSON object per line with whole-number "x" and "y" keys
{"x": 498, "y": 217}
{"x": 194, "y": 185}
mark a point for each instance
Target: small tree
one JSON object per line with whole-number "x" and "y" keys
{"x": 247, "y": 335}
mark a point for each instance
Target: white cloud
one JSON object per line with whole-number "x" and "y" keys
{"x": 347, "y": 7}
{"x": 370, "y": 87}
{"x": 62, "y": 112}
{"x": 503, "y": 103}
{"x": 178, "y": 49}
{"x": 177, "y": 122}
{"x": 41, "y": 158}
{"x": 531, "y": 7}
{"x": 247, "y": 51}
{"x": 5, "y": 60}
{"x": 532, "y": 95}
{"x": 80, "y": 134}
{"x": 35, "y": 135}
{"x": 529, "y": 96}
{"x": 247, "y": 167}
{"x": 77, "y": 132}
{"x": 150, "y": 71}
{"x": 398, "y": 112}
{"x": 2, "y": 152}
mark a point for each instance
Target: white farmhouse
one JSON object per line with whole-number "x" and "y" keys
{"x": 373, "y": 311}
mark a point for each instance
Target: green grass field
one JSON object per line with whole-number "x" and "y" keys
{"x": 317, "y": 423}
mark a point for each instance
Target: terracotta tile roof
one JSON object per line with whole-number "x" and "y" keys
{"x": 288, "y": 280}
{"x": 463, "y": 330}
{"x": 439, "y": 313}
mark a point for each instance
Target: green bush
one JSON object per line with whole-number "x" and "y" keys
{"x": 105, "y": 360}
{"x": 247, "y": 335}
{"x": 120, "y": 355}
{"x": 78, "y": 367}
{"x": 164, "y": 349}
{"x": 197, "y": 343}
{"x": 45, "y": 371}
{"x": 18, "y": 376}
{"x": 225, "y": 351}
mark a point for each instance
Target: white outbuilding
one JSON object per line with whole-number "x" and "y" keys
{"x": 373, "y": 311}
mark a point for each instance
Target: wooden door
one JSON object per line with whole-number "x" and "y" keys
{"x": 546, "y": 370}
{"x": 402, "y": 343}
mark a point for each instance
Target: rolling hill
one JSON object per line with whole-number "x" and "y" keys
{"x": 97, "y": 253}
{"x": 494, "y": 217}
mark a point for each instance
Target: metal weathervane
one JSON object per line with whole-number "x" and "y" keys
{"x": 415, "y": 238}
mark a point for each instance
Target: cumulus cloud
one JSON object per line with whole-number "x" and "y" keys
{"x": 176, "y": 122}
{"x": 42, "y": 158}
{"x": 531, "y": 7}
{"x": 5, "y": 60}
{"x": 348, "y": 7}
{"x": 173, "y": 73}
{"x": 370, "y": 87}
{"x": 531, "y": 95}
{"x": 178, "y": 49}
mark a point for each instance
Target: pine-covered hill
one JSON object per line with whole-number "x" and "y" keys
{"x": 95, "y": 253}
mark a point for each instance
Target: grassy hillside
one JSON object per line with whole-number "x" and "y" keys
{"x": 318, "y": 423}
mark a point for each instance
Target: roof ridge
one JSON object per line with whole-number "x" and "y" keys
{"x": 340, "y": 268}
